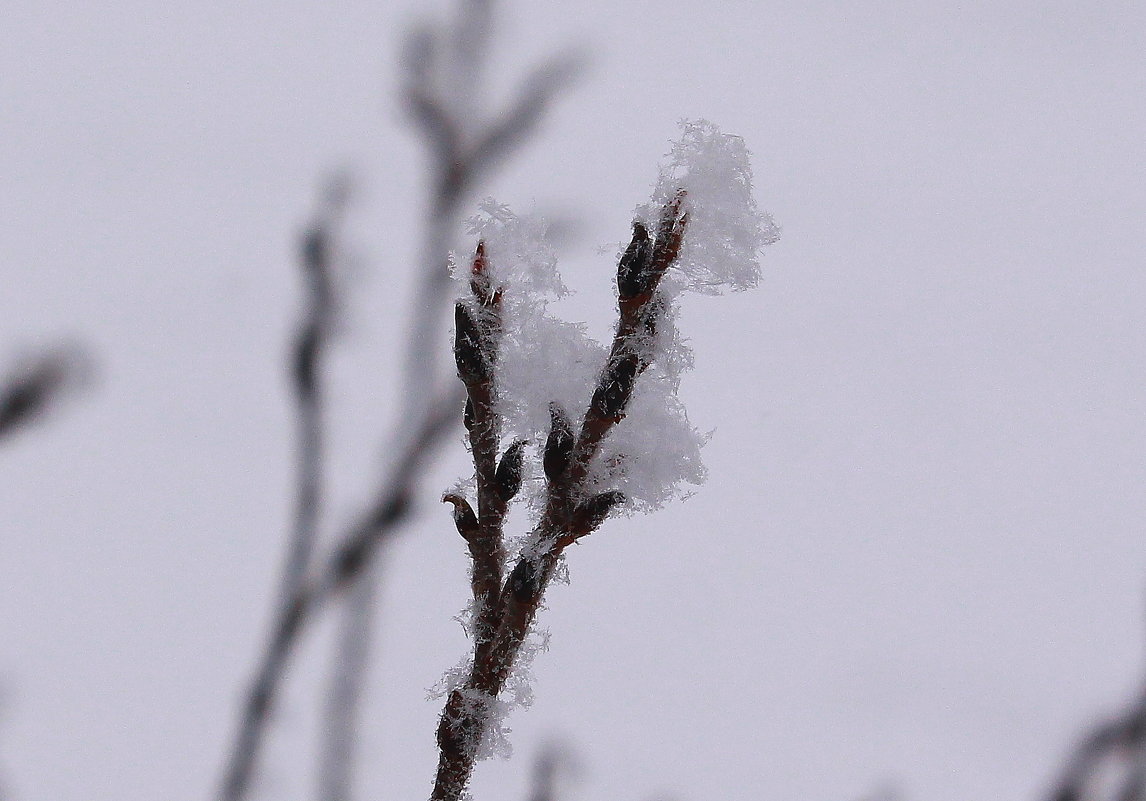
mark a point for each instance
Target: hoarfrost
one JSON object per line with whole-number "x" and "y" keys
{"x": 522, "y": 260}
{"x": 518, "y": 693}
{"x": 726, "y": 231}
{"x": 652, "y": 452}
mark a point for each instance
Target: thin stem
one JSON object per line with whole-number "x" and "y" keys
{"x": 355, "y": 551}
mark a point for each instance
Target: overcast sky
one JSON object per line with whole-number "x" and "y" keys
{"x": 919, "y": 559}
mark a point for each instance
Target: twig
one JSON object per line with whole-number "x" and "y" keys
{"x": 502, "y": 621}
{"x": 345, "y": 563}
{"x": 310, "y": 346}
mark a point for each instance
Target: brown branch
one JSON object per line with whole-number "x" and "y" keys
{"x": 570, "y": 512}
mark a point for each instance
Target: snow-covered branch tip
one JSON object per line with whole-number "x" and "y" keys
{"x": 577, "y": 430}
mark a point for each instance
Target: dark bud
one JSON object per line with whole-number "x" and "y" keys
{"x": 469, "y": 420}
{"x": 508, "y": 475}
{"x": 592, "y": 513}
{"x": 523, "y": 580}
{"x": 464, "y": 517}
{"x": 616, "y": 388}
{"x": 559, "y": 444}
{"x": 473, "y": 366}
{"x": 633, "y": 269}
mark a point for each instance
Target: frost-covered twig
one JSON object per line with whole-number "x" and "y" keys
{"x": 582, "y": 483}
{"x": 504, "y": 610}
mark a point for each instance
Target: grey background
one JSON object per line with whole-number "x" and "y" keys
{"x": 919, "y": 556}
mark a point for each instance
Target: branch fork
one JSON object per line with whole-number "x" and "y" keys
{"x": 505, "y": 605}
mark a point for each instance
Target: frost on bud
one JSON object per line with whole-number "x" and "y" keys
{"x": 632, "y": 270}
{"x": 473, "y": 363}
{"x": 508, "y": 476}
{"x": 559, "y": 444}
{"x": 464, "y": 517}
{"x": 726, "y": 230}
{"x": 592, "y": 513}
{"x": 616, "y": 388}
{"x": 670, "y": 235}
{"x": 523, "y": 580}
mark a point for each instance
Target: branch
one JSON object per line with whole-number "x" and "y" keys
{"x": 570, "y": 511}
{"x": 355, "y": 551}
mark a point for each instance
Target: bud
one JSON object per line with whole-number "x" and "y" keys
{"x": 592, "y": 513}
{"x": 473, "y": 364}
{"x": 464, "y": 517}
{"x": 508, "y": 475}
{"x": 559, "y": 445}
{"x": 632, "y": 270}
{"x": 616, "y": 388}
{"x": 523, "y": 580}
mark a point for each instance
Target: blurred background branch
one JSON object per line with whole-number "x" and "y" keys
{"x": 442, "y": 92}
{"x": 37, "y": 384}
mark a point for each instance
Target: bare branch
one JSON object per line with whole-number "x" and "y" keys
{"x": 535, "y": 97}
{"x": 437, "y": 65}
{"x": 347, "y": 562}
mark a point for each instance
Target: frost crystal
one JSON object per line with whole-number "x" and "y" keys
{"x": 725, "y": 229}
{"x": 523, "y": 262}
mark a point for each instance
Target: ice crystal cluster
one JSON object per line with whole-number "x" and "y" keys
{"x": 655, "y": 451}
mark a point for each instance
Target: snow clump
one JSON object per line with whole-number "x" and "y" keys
{"x": 726, "y": 231}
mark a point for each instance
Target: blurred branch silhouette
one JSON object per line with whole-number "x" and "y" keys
{"x": 443, "y": 66}
{"x": 1109, "y": 763}
{"x": 550, "y": 764}
{"x": 36, "y": 385}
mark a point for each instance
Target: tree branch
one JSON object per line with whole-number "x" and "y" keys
{"x": 570, "y": 511}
